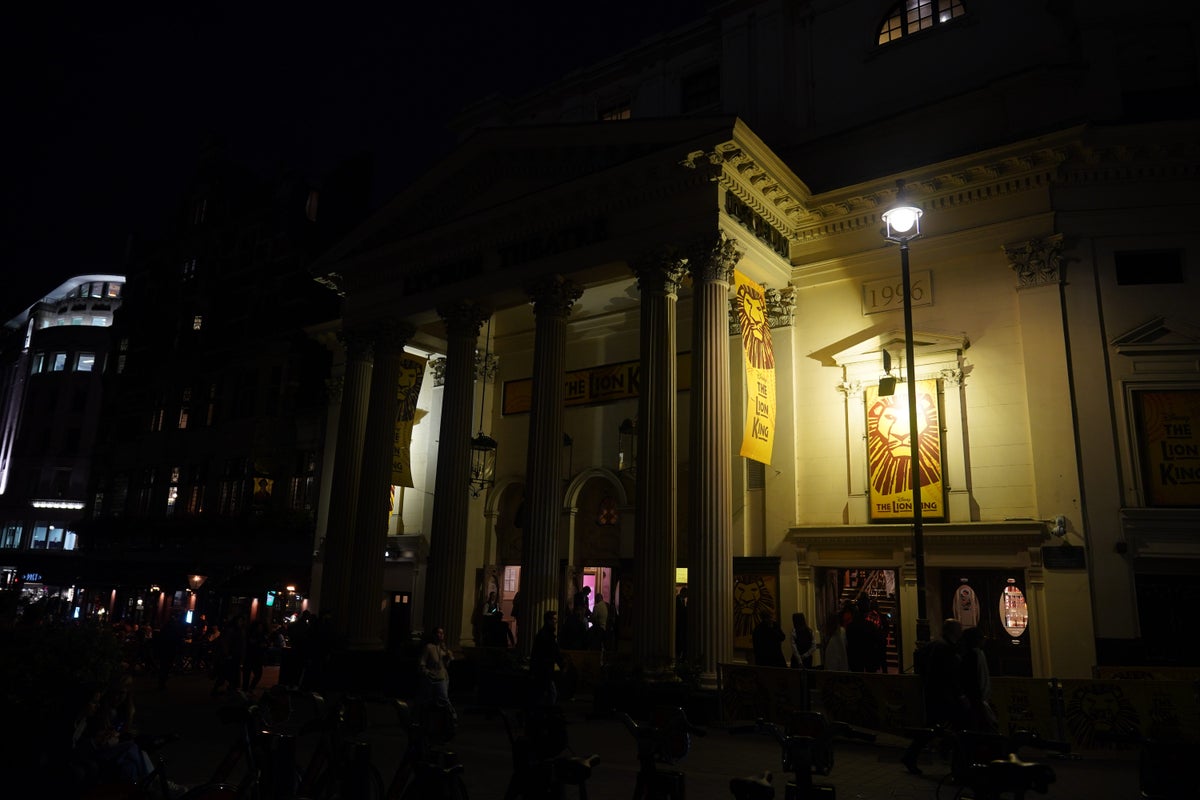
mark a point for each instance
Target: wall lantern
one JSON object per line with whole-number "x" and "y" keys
{"x": 627, "y": 440}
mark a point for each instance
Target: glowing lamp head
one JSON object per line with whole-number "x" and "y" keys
{"x": 903, "y": 219}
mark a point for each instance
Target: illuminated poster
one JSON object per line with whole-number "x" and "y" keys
{"x": 888, "y": 463}
{"x": 750, "y": 303}
{"x": 1169, "y": 442}
{"x": 753, "y": 598}
{"x": 412, "y": 370}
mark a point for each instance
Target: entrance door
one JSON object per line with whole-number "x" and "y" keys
{"x": 399, "y": 619}
{"x": 994, "y": 601}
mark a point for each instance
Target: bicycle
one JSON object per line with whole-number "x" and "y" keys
{"x": 426, "y": 772}
{"x": 666, "y": 740}
{"x": 540, "y": 767}
{"x": 988, "y": 765}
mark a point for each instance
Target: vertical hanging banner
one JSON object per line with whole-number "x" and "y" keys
{"x": 750, "y": 303}
{"x": 412, "y": 370}
{"x": 888, "y": 461}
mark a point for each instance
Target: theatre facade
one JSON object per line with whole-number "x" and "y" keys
{"x": 688, "y": 363}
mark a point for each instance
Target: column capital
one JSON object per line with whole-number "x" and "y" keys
{"x": 713, "y": 259}
{"x": 463, "y": 318}
{"x": 553, "y": 294}
{"x": 951, "y": 377}
{"x": 389, "y": 336}
{"x": 358, "y": 343}
{"x": 851, "y": 388}
{"x": 659, "y": 271}
{"x": 1037, "y": 262}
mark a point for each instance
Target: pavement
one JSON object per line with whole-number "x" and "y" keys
{"x": 862, "y": 771}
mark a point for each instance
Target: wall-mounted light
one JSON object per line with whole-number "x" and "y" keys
{"x": 483, "y": 447}
{"x": 627, "y": 448}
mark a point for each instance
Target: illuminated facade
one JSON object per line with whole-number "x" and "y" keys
{"x": 1055, "y": 337}
{"x": 55, "y": 354}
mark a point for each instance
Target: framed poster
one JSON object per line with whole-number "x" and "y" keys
{"x": 1167, "y": 432}
{"x": 755, "y": 595}
{"x": 888, "y": 454}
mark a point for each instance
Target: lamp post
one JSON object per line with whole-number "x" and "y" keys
{"x": 903, "y": 221}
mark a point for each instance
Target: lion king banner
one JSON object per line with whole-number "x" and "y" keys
{"x": 888, "y": 453}
{"x": 408, "y": 387}
{"x": 750, "y": 302}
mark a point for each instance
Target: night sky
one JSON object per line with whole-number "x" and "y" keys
{"x": 106, "y": 108}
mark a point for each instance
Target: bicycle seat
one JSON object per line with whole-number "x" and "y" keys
{"x": 753, "y": 787}
{"x": 574, "y": 770}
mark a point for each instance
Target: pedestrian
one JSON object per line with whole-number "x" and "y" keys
{"x": 599, "y": 630}
{"x": 543, "y": 660}
{"x": 862, "y": 643}
{"x": 434, "y": 664}
{"x": 977, "y": 682}
{"x": 834, "y": 656}
{"x": 946, "y": 705}
{"x": 804, "y": 642}
{"x": 169, "y": 642}
{"x": 256, "y": 654}
{"x": 766, "y": 638}
{"x": 681, "y": 615}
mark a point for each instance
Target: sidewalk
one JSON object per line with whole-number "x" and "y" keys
{"x": 861, "y": 771}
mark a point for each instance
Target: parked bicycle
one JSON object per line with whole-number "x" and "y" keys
{"x": 666, "y": 739}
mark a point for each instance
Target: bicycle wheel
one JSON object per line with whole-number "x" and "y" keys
{"x": 213, "y": 791}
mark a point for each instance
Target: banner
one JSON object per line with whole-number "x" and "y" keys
{"x": 888, "y": 454}
{"x": 600, "y": 384}
{"x": 1169, "y": 443}
{"x": 758, "y": 436}
{"x": 412, "y": 370}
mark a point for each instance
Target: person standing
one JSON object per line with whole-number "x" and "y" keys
{"x": 434, "y": 664}
{"x": 803, "y": 642}
{"x": 681, "y": 615}
{"x": 835, "y": 657}
{"x": 766, "y": 638}
{"x": 546, "y": 655}
{"x": 977, "y": 682}
{"x": 599, "y": 630}
{"x": 946, "y": 705}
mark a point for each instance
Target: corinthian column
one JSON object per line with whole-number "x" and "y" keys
{"x": 347, "y": 468}
{"x": 448, "y": 540}
{"x": 658, "y": 278}
{"x": 365, "y": 592}
{"x": 710, "y": 552}
{"x": 552, "y": 298}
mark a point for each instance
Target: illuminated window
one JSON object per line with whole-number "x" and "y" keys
{"x": 97, "y": 290}
{"x": 617, "y": 111}
{"x": 10, "y": 536}
{"x": 59, "y": 362}
{"x": 114, "y": 290}
{"x": 197, "y": 322}
{"x": 85, "y": 362}
{"x": 76, "y": 320}
{"x": 911, "y": 16}
{"x": 99, "y": 322}
{"x": 39, "y": 363}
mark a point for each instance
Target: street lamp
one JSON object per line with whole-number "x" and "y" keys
{"x": 903, "y": 221}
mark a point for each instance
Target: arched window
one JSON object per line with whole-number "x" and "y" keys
{"x": 911, "y": 16}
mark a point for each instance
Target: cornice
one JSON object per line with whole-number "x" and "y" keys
{"x": 945, "y": 187}
{"x": 1015, "y": 535}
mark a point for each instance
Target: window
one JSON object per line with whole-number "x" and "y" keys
{"x": 700, "y": 90}
{"x": 173, "y": 489}
{"x": 69, "y": 539}
{"x": 39, "y": 363}
{"x": 911, "y": 16}
{"x": 99, "y": 322}
{"x": 197, "y": 322}
{"x": 40, "y": 533}
{"x": 97, "y": 290}
{"x": 1146, "y": 267}
{"x": 616, "y": 111}
{"x": 114, "y": 290}
{"x": 76, "y": 320}
{"x": 58, "y": 362}
{"x": 85, "y": 362}
{"x": 10, "y": 537}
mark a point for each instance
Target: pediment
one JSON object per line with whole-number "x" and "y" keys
{"x": 868, "y": 347}
{"x": 1159, "y": 336}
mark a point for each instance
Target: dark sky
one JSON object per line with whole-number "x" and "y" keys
{"x": 106, "y": 108}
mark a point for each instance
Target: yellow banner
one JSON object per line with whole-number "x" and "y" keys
{"x": 412, "y": 370}
{"x": 888, "y": 461}
{"x": 758, "y": 436}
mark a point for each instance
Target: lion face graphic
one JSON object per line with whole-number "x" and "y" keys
{"x": 752, "y": 318}
{"x": 752, "y": 600}
{"x": 888, "y": 443}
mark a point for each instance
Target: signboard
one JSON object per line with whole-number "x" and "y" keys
{"x": 1168, "y": 437}
{"x": 750, "y": 302}
{"x": 888, "y": 454}
{"x": 601, "y": 384}
{"x": 887, "y": 294}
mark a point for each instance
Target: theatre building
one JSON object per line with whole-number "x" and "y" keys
{"x": 661, "y": 289}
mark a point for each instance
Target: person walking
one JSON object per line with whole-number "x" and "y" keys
{"x": 835, "y": 657}
{"x": 946, "y": 705}
{"x": 804, "y": 642}
{"x": 434, "y": 664}
{"x": 766, "y": 638}
{"x": 599, "y": 630}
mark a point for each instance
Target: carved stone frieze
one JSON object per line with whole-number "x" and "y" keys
{"x": 1037, "y": 262}
{"x": 754, "y": 198}
{"x": 781, "y": 306}
{"x": 486, "y": 366}
{"x": 437, "y": 367}
{"x": 553, "y": 294}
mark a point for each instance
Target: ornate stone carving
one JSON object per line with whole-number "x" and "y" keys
{"x": 1037, "y": 262}
{"x": 437, "y": 366}
{"x": 659, "y": 271}
{"x": 781, "y": 306}
{"x": 463, "y": 318}
{"x": 713, "y": 260}
{"x": 358, "y": 343}
{"x": 951, "y": 377}
{"x": 486, "y": 366}
{"x": 850, "y": 388}
{"x": 553, "y": 294}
